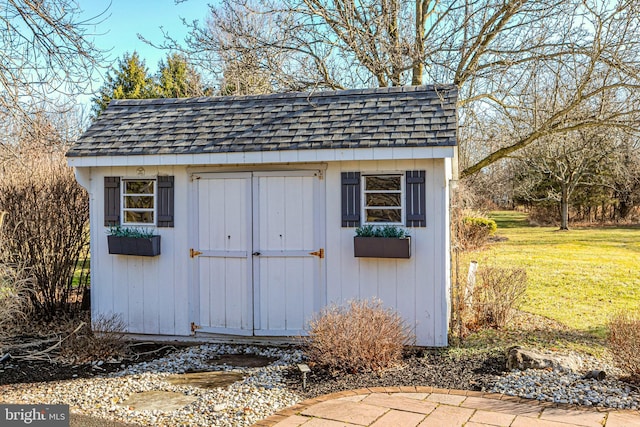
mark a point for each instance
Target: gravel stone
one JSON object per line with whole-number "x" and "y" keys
{"x": 260, "y": 394}
{"x": 265, "y": 390}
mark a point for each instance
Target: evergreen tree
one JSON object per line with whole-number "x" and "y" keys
{"x": 178, "y": 79}
{"x": 131, "y": 80}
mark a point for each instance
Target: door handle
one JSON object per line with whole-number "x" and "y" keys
{"x": 256, "y": 254}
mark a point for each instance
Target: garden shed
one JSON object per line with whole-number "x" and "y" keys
{"x": 256, "y": 200}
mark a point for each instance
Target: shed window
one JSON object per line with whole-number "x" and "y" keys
{"x": 138, "y": 201}
{"x": 383, "y": 199}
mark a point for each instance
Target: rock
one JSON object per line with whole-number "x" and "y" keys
{"x": 521, "y": 359}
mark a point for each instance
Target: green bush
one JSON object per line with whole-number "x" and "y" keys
{"x": 360, "y": 337}
{"x": 475, "y": 232}
{"x": 136, "y": 232}
{"x": 381, "y": 231}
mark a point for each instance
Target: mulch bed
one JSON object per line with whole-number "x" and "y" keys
{"x": 18, "y": 370}
{"x": 435, "y": 368}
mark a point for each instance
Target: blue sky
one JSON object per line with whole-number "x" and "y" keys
{"x": 118, "y": 27}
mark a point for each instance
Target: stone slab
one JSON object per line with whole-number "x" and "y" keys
{"x": 581, "y": 418}
{"x": 157, "y": 400}
{"x": 395, "y": 418}
{"x": 346, "y": 411}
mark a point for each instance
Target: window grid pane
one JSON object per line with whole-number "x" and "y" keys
{"x": 384, "y": 215}
{"x": 139, "y": 217}
{"x": 141, "y": 187}
{"x": 383, "y": 200}
{"x": 138, "y": 204}
{"x": 383, "y": 182}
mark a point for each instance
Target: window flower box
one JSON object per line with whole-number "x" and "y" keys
{"x": 387, "y": 241}
{"x": 141, "y": 246}
{"x": 128, "y": 241}
{"x": 382, "y": 247}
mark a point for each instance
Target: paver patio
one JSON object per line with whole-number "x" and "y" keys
{"x": 425, "y": 406}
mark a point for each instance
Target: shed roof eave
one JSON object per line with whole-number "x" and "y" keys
{"x": 263, "y": 157}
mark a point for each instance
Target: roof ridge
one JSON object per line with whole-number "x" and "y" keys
{"x": 344, "y": 93}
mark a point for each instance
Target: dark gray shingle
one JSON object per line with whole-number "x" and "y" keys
{"x": 364, "y": 118}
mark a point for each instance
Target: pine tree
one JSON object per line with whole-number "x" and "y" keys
{"x": 178, "y": 79}
{"x": 131, "y": 80}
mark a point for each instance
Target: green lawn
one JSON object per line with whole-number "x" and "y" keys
{"x": 578, "y": 277}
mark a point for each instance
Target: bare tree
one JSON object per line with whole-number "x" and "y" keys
{"x": 625, "y": 181}
{"x": 46, "y": 53}
{"x": 553, "y": 168}
{"x": 593, "y": 81}
{"x": 524, "y": 68}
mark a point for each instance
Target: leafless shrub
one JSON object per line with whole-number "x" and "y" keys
{"x": 624, "y": 343}
{"x": 495, "y": 296}
{"x": 47, "y": 228}
{"x": 15, "y": 290}
{"x": 100, "y": 339}
{"x": 362, "y": 336}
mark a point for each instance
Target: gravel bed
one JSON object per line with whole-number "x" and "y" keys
{"x": 268, "y": 389}
{"x": 568, "y": 387}
{"x": 260, "y": 394}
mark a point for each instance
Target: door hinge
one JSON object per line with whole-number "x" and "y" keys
{"x": 193, "y": 253}
{"x": 319, "y": 253}
{"x": 194, "y": 327}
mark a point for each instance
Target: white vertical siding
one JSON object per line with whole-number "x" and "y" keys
{"x": 159, "y": 295}
{"x": 151, "y": 294}
{"x": 418, "y": 287}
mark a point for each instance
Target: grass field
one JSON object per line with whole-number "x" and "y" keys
{"x": 578, "y": 277}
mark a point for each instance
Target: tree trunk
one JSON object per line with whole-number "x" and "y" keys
{"x": 418, "y": 67}
{"x": 564, "y": 208}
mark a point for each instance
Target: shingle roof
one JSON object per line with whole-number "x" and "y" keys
{"x": 384, "y": 117}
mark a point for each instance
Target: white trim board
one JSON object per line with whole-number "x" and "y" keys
{"x": 259, "y": 157}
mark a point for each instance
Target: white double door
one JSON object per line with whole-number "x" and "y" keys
{"x": 258, "y": 241}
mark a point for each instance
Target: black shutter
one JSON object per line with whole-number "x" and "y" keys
{"x": 165, "y": 201}
{"x": 350, "y": 199}
{"x": 416, "y": 204}
{"x": 111, "y": 200}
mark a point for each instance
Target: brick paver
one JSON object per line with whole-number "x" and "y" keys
{"x": 395, "y": 418}
{"x": 400, "y": 403}
{"x": 581, "y": 418}
{"x": 346, "y": 411}
{"x": 503, "y": 406}
{"x": 492, "y": 418}
{"x": 522, "y": 421}
{"x": 292, "y": 421}
{"x": 427, "y": 406}
{"x": 447, "y": 399}
{"x": 623, "y": 419}
{"x": 445, "y": 415}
